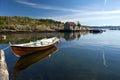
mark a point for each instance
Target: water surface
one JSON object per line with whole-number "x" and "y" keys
{"x": 79, "y": 56}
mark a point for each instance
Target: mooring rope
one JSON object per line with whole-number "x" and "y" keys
{"x": 5, "y": 48}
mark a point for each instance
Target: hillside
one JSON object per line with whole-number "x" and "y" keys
{"x": 17, "y": 23}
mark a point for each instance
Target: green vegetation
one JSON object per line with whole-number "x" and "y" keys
{"x": 17, "y": 23}
{"x": 78, "y": 24}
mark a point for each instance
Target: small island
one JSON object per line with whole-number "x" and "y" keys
{"x": 26, "y": 24}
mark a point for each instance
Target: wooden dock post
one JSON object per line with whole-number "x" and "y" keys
{"x": 4, "y": 75}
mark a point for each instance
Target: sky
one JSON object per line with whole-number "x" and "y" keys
{"x": 87, "y": 12}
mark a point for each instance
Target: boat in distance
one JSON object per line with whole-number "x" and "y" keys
{"x": 97, "y": 31}
{"x": 31, "y": 47}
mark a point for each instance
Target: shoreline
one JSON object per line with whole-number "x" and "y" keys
{"x": 24, "y": 31}
{"x": 29, "y": 31}
{"x": 91, "y": 31}
{"x": 2, "y": 32}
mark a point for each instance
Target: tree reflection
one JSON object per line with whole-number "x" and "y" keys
{"x": 27, "y": 37}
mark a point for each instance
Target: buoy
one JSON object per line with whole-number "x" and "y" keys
{"x": 3, "y": 37}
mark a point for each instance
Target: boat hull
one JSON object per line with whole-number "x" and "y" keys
{"x": 21, "y": 50}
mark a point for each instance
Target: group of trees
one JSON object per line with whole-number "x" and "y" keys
{"x": 26, "y": 23}
{"x": 78, "y": 24}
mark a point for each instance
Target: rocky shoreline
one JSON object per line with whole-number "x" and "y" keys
{"x": 13, "y": 31}
{"x": 30, "y": 31}
{"x": 4, "y": 75}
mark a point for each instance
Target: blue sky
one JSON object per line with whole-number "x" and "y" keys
{"x": 87, "y": 12}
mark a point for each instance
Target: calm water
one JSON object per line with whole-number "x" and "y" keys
{"x": 80, "y": 56}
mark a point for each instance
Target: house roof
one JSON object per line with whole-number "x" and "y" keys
{"x": 71, "y": 23}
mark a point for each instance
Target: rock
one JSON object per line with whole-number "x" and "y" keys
{"x": 4, "y": 75}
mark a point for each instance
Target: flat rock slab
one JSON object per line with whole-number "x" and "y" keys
{"x": 4, "y": 75}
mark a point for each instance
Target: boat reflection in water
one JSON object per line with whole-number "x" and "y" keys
{"x": 26, "y": 61}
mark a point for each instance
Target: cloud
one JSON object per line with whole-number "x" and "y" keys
{"x": 43, "y": 6}
{"x": 90, "y": 20}
{"x": 77, "y": 11}
{"x": 26, "y": 3}
{"x": 83, "y": 15}
{"x": 105, "y": 2}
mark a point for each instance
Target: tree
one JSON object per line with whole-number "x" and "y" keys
{"x": 78, "y": 24}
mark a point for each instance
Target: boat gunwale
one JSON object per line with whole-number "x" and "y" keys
{"x": 25, "y": 44}
{"x": 31, "y": 46}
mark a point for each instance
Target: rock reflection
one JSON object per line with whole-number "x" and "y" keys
{"x": 26, "y": 37}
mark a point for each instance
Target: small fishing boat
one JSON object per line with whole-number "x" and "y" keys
{"x": 31, "y": 47}
{"x": 97, "y": 31}
{"x": 3, "y": 37}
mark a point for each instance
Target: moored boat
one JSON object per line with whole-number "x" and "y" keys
{"x": 97, "y": 31}
{"x": 31, "y": 47}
